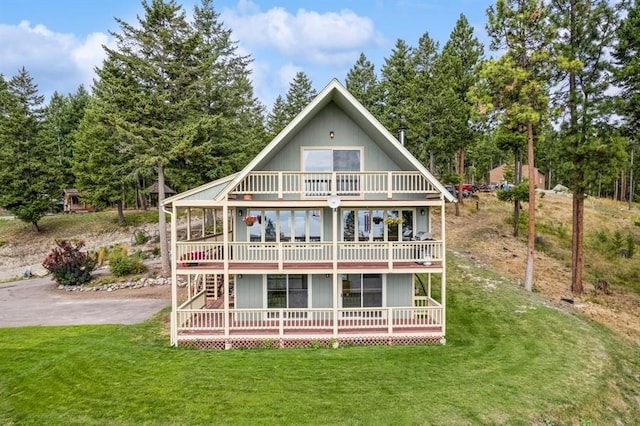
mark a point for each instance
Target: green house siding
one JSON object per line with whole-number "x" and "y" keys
{"x": 399, "y": 290}
{"x": 249, "y": 292}
{"x": 321, "y": 292}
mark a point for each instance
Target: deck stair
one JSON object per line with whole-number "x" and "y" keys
{"x": 210, "y": 287}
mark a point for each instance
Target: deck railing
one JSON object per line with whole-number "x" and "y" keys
{"x": 282, "y": 321}
{"x": 195, "y": 253}
{"x": 317, "y": 184}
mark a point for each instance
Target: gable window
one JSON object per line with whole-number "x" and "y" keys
{"x": 319, "y": 165}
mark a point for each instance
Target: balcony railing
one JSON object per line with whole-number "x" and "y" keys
{"x": 200, "y": 253}
{"x": 317, "y": 184}
{"x": 280, "y": 322}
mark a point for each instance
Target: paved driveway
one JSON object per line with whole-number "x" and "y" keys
{"x": 32, "y": 302}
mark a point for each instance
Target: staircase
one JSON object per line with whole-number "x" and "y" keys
{"x": 210, "y": 288}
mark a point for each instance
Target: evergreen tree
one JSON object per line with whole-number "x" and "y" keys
{"x": 225, "y": 111}
{"x": 158, "y": 58}
{"x": 397, "y": 76}
{"x": 277, "y": 119}
{"x": 28, "y": 183}
{"x": 299, "y": 95}
{"x": 627, "y": 56}
{"x": 586, "y": 35}
{"x": 421, "y": 113}
{"x": 454, "y": 73}
{"x": 362, "y": 83}
{"x": 514, "y": 88}
{"x": 61, "y": 119}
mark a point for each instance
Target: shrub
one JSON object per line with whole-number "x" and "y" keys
{"x": 69, "y": 265}
{"x": 140, "y": 237}
{"x": 121, "y": 264}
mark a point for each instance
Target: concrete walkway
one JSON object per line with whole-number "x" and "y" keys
{"x": 32, "y": 302}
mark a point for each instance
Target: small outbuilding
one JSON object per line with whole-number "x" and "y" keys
{"x": 72, "y": 203}
{"x": 152, "y": 193}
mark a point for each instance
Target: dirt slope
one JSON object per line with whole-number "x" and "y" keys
{"x": 482, "y": 233}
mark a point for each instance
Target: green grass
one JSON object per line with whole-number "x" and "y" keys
{"x": 510, "y": 358}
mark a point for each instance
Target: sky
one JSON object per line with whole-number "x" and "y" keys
{"x": 59, "y": 42}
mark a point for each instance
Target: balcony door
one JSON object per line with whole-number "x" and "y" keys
{"x": 318, "y": 165}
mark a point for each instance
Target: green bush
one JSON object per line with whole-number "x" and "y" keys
{"x": 69, "y": 265}
{"x": 121, "y": 264}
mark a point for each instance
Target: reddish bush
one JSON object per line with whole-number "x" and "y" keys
{"x": 69, "y": 265}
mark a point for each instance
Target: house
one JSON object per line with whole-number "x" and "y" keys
{"x": 71, "y": 202}
{"x": 334, "y": 234}
{"x": 496, "y": 175}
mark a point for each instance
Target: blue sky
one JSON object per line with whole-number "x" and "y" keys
{"x": 59, "y": 41}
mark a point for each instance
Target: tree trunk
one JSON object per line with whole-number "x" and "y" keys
{"x": 576, "y": 257}
{"x": 162, "y": 220}
{"x": 120, "y": 213}
{"x": 35, "y": 226}
{"x": 531, "y": 239}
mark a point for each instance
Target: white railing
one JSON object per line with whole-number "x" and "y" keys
{"x": 197, "y": 253}
{"x": 282, "y": 321}
{"x": 316, "y": 184}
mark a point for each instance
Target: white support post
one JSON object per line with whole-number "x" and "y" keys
{"x": 189, "y": 223}
{"x": 335, "y": 272}
{"x": 174, "y": 277}
{"x": 225, "y": 245}
{"x": 443, "y": 286}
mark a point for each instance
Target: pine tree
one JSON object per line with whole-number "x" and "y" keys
{"x": 397, "y": 76}
{"x": 362, "y": 83}
{"x": 156, "y": 92}
{"x": 28, "y": 182}
{"x": 299, "y": 95}
{"x": 514, "y": 88}
{"x": 627, "y": 56}
{"x": 586, "y": 35}
{"x": 454, "y": 73}
{"x": 277, "y": 119}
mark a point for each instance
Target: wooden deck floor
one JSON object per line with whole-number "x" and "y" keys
{"x": 244, "y": 267}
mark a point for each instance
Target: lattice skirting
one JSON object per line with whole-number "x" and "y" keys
{"x": 254, "y": 343}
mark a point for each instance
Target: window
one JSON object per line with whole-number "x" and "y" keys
{"x": 287, "y": 291}
{"x": 323, "y": 161}
{"x": 286, "y": 225}
{"x": 374, "y": 224}
{"x": 361, "y": 290}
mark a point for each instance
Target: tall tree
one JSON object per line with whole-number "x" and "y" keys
{"x": 396, "y": 81}
{"x": 421, "y": 109}
{"x": 584, "y": 79}
{"x": 277, "y": 118}
{"x": 159, "y": 56}
{"x": 299, "y": 95}
{"x": 225, "y": 108}
{"x": 102, "y": 155}
{"x": 361, "y": 82}
{"x": 28, "y": 182}
{"x": 456, "y": 72}
{"x": 61, "y": 119}
{"x": 517, "y": 82}
{"x": 627, "y": 56}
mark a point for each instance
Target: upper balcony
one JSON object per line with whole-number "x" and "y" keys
{"x": 357, "y": 185}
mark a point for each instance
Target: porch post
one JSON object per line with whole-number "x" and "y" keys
{"x": 335, "y": 273}
{"x": 174, "y": 277}
{"x": 443, "y": 286}
{"x": 225, "y": 245}
{"x": 188, "y": 223}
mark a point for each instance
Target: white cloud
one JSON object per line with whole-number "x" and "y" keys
{"x": 56, "y": 61}
{"x": 306, "y": 36}
{"x": 286, "y": 73}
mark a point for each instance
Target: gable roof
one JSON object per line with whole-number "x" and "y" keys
{"x": 337, "y": 93}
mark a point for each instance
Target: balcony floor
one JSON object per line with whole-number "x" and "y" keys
{"x": 328, "y": 266}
